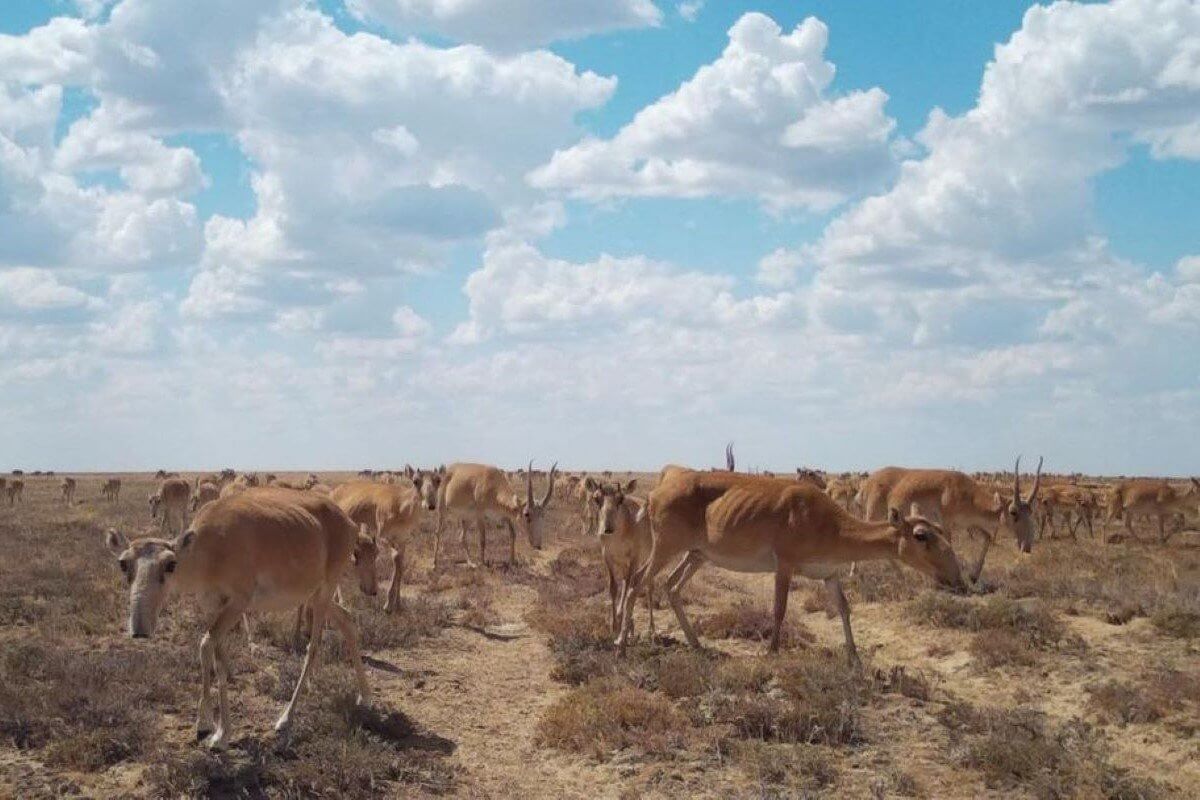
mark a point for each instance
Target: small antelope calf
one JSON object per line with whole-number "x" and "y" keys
{"x": 625, "y": 543}
{"x": 261, "y": 551}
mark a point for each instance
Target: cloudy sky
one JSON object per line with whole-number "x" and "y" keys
{"x": 288, "y": 233}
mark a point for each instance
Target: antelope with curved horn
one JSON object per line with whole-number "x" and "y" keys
{"x": 754, "y": 524}
{"x": 265, "y": 550}
{"x": 959, "y": 502}
{"x": 483, "y": 493}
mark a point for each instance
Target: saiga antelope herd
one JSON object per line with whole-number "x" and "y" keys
{"x": 283, "y": 546}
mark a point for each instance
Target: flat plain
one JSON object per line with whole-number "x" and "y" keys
{"x": 1074, "y": 675}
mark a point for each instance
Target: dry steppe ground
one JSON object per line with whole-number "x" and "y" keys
{"x": 1076, "y": 676}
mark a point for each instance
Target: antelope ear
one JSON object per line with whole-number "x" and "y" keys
{"x": 184, "y": 541}
{"x": 914, "y": 510}
{"x": 630, "y": 485}
{"x": 115, "y": 541}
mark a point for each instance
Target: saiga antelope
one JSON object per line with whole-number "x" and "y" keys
{"x": 958, "y": 502}
{"x": 1147, "y": 497}
{"x": 262, "y": 551}
{"x": 873, "y": 492}
{"x": 67, "y": 488}
{"x": 392, "y": 512}
{"x": 204, "y": 494}
{"x": 752, "y": 524}
{"x": 15, "y": 492}
{"x": 625, "y": 541}
{"x": 170, "y": 500}
{"x": 482, "y": 493}
{"x": 111, "y": 489}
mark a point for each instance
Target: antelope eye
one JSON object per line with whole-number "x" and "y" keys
{"x": 124, "y": 564}
{"x": 169, "y": 567}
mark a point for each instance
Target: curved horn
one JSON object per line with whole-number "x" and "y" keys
{"x": 730, "y": 464}
{"x": 549, "y": 486}
{"x": 529, "y": 484}
{"x": 1017, "y": 480}
{"x": 1037, "y": 481}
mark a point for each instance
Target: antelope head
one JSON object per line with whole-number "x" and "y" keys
{"x": 609, "y": 501}
{"x": 532, "y": 510}
{"x": 924, "y": 546}
{"x": 155, "y": 500}
{"x": 427, "y": 482}
{"x": 149, "y": 566}
{"x": 366, "y": 549}
{"x": 1016, "y": 515}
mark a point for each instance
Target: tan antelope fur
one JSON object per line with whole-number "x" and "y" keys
{"x": 392, "y": 512}
{"x": 959, "y": 503}
{"x": 204, "y": 494}
{"x": 265, "y": 551}
{"x": 67, "y": 488}
{"x": 624, "y": 533}
{"x": 169, "y": 504}
{"x": 482, "y": 493}
{"x": 1151, "y": 497}
{"x": 873, "y": 492}
{"x": 15, "y": 491}
{"x": 754, "y": 524}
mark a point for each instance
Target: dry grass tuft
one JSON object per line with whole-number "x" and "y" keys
{"x": 747, "y": 620}
{"x": 338, "y": 750}
{"x": 607, "y": 715}
{"x": 1020, "y": 747}
{"x": 1008, "y": 632}
{"x": 785, "y": 770}
{"x": 1163, "y": 694}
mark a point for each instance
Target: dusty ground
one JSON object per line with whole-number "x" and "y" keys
{"x": 1076, "y": 677}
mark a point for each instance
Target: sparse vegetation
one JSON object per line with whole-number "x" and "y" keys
{"x": 1021, "y": 747}
{"x": 102, "y": 715}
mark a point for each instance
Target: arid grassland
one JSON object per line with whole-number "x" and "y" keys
{"x": 1076, "y": 674}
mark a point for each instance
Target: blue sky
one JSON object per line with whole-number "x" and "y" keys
{"x": 612, "y": 233}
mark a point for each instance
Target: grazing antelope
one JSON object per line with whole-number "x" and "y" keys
{"x": 625, "y": 541}
{"x": 873, "y": 492}
{"x": 204, "y": 494}
{"x": 67, "y": 487}
{"x": 261, "y": 551}
{"x": 753, "y": 524}
{"x": 15, "y": 492}
{"x": 111, "y": 489}
{"x": 163, "y": 474}
{"x": 170, "y": 500}
{"x": 1149, "y": 497}
{"x": 393, "y": 513}
{"x": 240, "y": 484}
{"x": 958, "y": 502}
{"x": 483, "y": 493}
{"x": 844, "y": 492}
